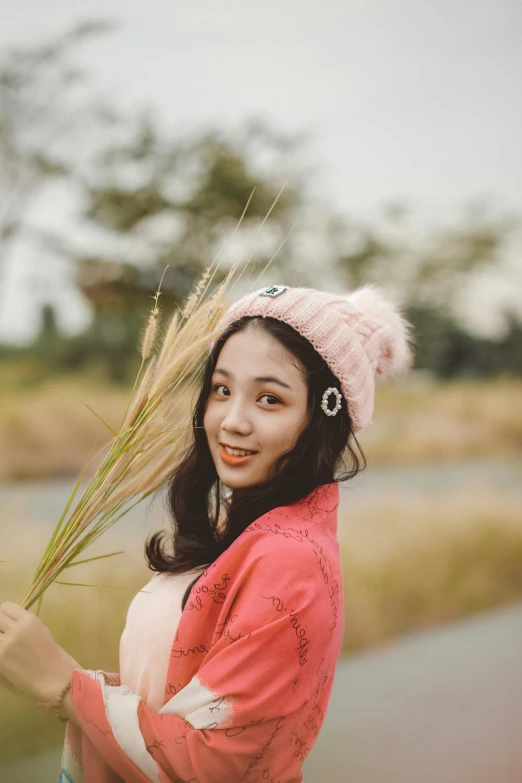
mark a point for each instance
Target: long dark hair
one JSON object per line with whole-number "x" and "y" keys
{"x": 195, "y": 499}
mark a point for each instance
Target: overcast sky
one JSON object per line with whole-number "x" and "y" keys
{"x": 412, "y": 99}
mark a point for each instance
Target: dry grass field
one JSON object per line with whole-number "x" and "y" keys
{"x": 409, "y": 564}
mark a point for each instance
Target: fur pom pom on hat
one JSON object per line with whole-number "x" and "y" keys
{"x": 362, "y": 336}
{"x": 396, "y": 356}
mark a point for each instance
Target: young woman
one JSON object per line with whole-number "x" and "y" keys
{"x": 228, "y": 656}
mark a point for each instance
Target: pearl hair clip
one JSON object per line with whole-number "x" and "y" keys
{"x": 324, "y": 402}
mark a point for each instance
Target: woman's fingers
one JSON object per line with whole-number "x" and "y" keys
{"x": 13, "y": 611}
{"x": 11, "y": 614}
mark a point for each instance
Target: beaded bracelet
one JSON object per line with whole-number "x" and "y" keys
{"x": 58, "y": 703}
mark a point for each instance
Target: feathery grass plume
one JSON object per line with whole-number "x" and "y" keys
{"x": 194, "y": 297}
{"x": 149, "y": 335}
{"x": 152, "y": 326}
{"x": 170, "y": 336}
{"x": 155, "y": 428}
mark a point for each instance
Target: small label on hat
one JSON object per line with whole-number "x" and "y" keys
{"x": 274, "y": 290}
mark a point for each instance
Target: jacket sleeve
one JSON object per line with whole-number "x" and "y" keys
{"x": 237, "y": 716}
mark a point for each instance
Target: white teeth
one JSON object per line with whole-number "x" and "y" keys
{"x": 237, "y": 452}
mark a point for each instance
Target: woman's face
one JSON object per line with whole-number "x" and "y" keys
{"x": 258, "y": 403}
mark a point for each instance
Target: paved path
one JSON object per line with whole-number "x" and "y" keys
{"x": 444, "y": 706}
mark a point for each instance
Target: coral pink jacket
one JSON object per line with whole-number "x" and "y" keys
{"x": 251, "y": 666}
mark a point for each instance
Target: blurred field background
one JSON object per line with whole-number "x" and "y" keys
{"x": 99, "y": 195}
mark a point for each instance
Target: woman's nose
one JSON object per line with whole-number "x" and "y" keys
{"x": 236, "y": 417}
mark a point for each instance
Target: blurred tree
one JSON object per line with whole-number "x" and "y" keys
{"x": 428, "y": 269}
{"x": 449, "y": 351}
{"x": 428, "y": 273}
{"x": 43, "y": 116}
{"x": 170, "y": 200}
{"x": 158, "y": 201}
{"x": 149, "y": 199}
{"x": 48, "y": 344}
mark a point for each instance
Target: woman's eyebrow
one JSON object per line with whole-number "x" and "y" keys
{"x": 260, "y": 378}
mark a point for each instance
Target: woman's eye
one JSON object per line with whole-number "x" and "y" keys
{"x": 271, "y": 396}
{"x": 218, "y": 385}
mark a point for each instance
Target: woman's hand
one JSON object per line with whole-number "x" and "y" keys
{"x": 8, "y": 686}
{"x": 30, "y": 659}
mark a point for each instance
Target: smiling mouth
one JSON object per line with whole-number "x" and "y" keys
{"x": 230, "y": 448}
{"x": 234, "y": 459}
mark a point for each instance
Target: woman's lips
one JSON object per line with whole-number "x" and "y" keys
{"x": 233, "y": 459}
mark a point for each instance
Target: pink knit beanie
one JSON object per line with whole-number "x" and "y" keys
{"x": 362, "y": 336}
